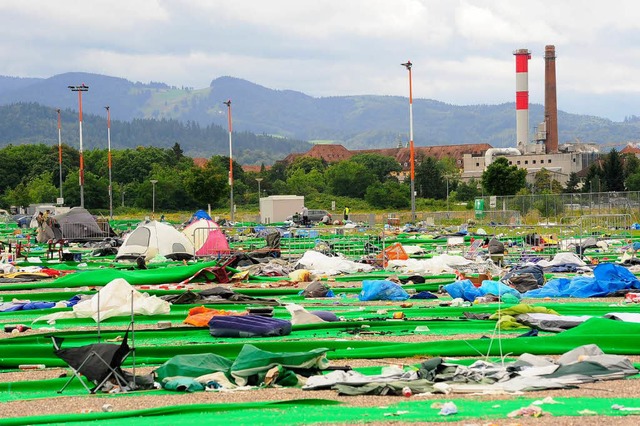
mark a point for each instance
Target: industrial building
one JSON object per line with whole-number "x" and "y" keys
{"x": 542, "y": 150}
{"x": 531, "y": 152}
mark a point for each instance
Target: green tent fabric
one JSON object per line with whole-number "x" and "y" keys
{"x": 253, "y": 362}
{"x": 183, "y": 384}
{"x": 136, "y": 277}
{"x": 249, "y": 367}
{"x": 192, "y": 365}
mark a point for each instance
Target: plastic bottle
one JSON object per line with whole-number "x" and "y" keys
{"x": 406, "y": 391}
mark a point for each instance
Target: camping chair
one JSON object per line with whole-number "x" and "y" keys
{"x": 473, "y": 250}
{"x": 98, "y": 362}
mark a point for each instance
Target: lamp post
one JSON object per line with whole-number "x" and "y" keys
{"x": 447, "y": 177}
{"x": 122, "y": 190}
{"x": 60, "y": 149}
{"x": 109, "y": 160}
{"x": 228, "y": 104}
{"x": 259, "y": 180}
{"x": 153, "y": 196}
{"x": 82, "y": 88}
{"x": 408, "y": 66}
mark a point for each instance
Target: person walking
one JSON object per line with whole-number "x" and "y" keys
{"x": 346, "y": 213}
{"x": 305, "y": 215}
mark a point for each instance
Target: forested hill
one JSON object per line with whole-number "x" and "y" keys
{"x": 34, "y": 123}
{"x": 357, "y": 122}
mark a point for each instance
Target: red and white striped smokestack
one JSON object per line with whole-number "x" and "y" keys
{"x": 522, "y": 97}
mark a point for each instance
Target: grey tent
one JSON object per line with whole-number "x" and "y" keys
{"x": 79, "y": 225}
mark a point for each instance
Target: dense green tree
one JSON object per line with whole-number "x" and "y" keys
{"x": 96, "y": 192}
{"x": 501, "y": 178}
{"x": 631, "y": 164}
{"x": 390, "y": 194}
{"x": 41, "y": 189}
{"x": 467, "y": 191}
{"x": 544, "y": 181}
{"x": 306, "y": 164}
{"x": 613, "y": 171}
{"x": 304, "y": 183}
{"x": 16, "y": 196}
{"x": 633, "y": 182}
{"x": 349, "y": 179}
{"x": 573, "y": 183}
{"x": 430, "y": 181}
{"x": 380, "y": 165}
{"x": 594, "y": 181}
{"x": 208, "y": 185}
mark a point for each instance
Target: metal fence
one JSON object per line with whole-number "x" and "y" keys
{"x": 567, "y": 207}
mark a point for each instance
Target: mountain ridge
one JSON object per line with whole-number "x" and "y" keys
{"x": 357, "y": 121}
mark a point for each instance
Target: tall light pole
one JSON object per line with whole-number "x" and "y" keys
{"x": 259, "y": 180}
{"x": 153, "y": 196}
{"x": 109, "y": 160}
{"x": 60, "y": 149}
{"x": 228, "y": 104}
{"x": 408, "y": 66}
{"x": 82, "y": 88}
{"x": 447, "y": 177}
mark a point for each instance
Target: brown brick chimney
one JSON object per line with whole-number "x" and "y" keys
{"x": 550, "y": 99}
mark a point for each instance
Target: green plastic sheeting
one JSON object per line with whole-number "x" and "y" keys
{"x": 613, "y": 337}
{"x": 136, "y": 277}
{"x": 313, "y": 411}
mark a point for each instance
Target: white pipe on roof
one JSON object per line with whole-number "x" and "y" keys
{"x": 491, "y": 152}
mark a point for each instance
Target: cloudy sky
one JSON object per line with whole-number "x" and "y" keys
{"x": 461, "y": 49}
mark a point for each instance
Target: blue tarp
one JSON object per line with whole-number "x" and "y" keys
{"x": 608, "y": 278}
{"x": 465, "y": 290}
{"x": 382, "y": 290}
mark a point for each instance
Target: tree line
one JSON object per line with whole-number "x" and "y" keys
{"x": 30, "y": 174}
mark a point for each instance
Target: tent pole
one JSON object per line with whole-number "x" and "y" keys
{"x": 98, "y": 316}
{"x": 133, "y": 343}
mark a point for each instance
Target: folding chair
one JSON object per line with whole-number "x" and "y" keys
{"x": 98, "y": 362}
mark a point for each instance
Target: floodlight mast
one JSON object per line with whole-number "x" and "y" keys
{"x": 408, "y": 66}
{"x": 81, "y": 88}
{"x": 109, "y": 160}
{"x": 228, "y": 104}
{"x": 60, "y": 150}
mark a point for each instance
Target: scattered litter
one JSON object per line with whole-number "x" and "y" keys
{"x": 623, "y": 408}
{"x": 107, "y": 408}
{"x": 397, "y": 413}
{"x": 530, "y": 411}
{"x": 547, "y": 400}
{"x": 32, "y": 366}
{"x": 422, "y": 328}
{"x": 587, "y": 412}
{"x": 448, "y": 408}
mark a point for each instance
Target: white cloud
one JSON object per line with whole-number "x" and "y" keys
{"x": 461, "y": 49}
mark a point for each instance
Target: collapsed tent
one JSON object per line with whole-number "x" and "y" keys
{"x": 207, "y": 238}
{"x": 118, "y": 298}
{"x": 250, "y": 367}
{"x": 79, "y": 225}
{"x": 584, "y": 364}
{"x": 155, "y": 238}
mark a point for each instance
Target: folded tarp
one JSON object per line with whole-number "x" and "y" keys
{"x": 248, "y": 326}
{"x": 608, "y": 278}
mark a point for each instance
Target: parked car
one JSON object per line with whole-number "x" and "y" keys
{"x": 315, "y": 216}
